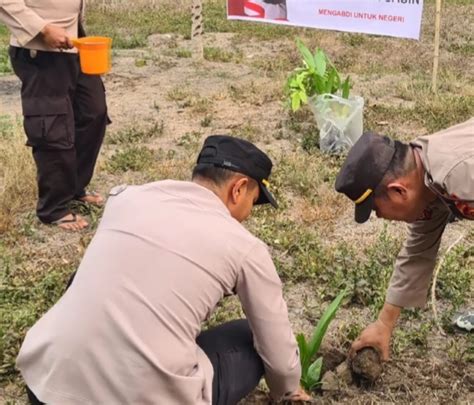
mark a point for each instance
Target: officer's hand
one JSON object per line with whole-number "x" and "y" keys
{"x": 298, "y": 396}
{"x": 56, "y": 37}
{"x": 376, "y": 335}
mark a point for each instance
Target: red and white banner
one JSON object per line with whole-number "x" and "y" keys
{"x": 396, "y": 18}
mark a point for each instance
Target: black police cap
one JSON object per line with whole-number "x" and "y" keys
{"x": 363, "y": 170}
{"x": 240, "y": 156}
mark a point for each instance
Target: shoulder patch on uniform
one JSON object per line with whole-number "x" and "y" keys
{"x": 117, "y": 189}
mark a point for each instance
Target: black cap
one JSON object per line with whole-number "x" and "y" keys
{"x": 242, "y": 157}
{"x": 363, "y": 170}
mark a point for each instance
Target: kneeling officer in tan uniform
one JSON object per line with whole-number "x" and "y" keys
{"x": 127, "y": 331}
{"x": 423, "y": 183}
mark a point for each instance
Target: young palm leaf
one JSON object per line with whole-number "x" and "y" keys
{"x": 314, "y": 374}
{"x": 321, "y": 328}
{"x": 303, "y": 347}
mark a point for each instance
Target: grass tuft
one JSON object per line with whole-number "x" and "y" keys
{"x": 17, "y": 173}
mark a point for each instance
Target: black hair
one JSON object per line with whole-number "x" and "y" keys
{"x": 403, "y": 162}
{"x": 217, "y": 175}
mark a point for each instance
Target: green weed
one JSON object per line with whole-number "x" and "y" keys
{"x": 136, "y": 134}
{"x": 141, "y": 62}
{"x": 5, "y": 66}
{"x": 354, "y": 40}
{"x": 201, "y": 105}
{"x": 178, "y": 93}
{"x": 248, "y": 132}
{"x": 183, "y": 53}
{"x": 214, "y": 54}
{"x": 133, "y": 158}
{"x": 465, "y": 49}
{"x": 190, "y": 140}
{"x": 206, "y": 121}
{"x": 253, "y": 93}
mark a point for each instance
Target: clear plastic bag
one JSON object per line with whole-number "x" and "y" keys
{"x": 340, "y": 121}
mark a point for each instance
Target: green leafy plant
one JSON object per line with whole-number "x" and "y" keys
{"x": 317, "y": 76}
{"x": 311, "y": 370}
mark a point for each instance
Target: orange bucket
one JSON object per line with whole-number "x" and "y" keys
{"x": 94, "y": 54}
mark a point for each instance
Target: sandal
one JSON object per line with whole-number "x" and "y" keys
{"x": 465, "y": 321}
{"x": 71, "y": 222}
{"x": 91, "y": 197}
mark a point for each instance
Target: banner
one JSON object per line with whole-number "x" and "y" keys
{"x": 396, "y": 18}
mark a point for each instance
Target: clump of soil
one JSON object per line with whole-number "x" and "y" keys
{"x": 367, "y": 365}
{"x": 332, "y": 357}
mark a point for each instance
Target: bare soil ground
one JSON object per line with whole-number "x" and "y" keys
{"x": 164, "y": 103}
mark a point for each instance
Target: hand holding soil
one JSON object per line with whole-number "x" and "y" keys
{"x": 377, "y": 335}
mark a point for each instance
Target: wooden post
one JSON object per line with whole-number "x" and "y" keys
{"x": 434, "y": 82}
{"x": 197, "y": 30}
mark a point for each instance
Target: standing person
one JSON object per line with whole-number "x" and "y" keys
{"x": 65, "y": 113}
{"x": 127, "y": 331}
{"x": 423, "y": 183}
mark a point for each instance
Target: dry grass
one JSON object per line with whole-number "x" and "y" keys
{"x": 17, "y": 175}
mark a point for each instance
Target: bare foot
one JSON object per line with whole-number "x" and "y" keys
{"x": 93, "y": 198}
{"x": 71, "y": 222}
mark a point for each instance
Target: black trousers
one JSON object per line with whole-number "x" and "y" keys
{"x": 65, "y": 116}
{"x": 237, "y": 366}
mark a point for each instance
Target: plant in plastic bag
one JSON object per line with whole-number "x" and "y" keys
{"x": 311, "y": 370}
{"x": 317, "y": 76}
{"x": 340, "y": 121}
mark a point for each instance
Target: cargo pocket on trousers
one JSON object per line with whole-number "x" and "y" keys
{"x": 48, "y": 122}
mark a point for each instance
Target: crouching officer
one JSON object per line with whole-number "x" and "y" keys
{"x": 128, "y": 330}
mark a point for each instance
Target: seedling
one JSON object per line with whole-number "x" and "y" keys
{"x": 311, "y": 370}
{"x": 317, "y": 76}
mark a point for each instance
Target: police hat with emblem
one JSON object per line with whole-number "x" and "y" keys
{"x": 363, "y": 170}
{"x": 240, "y": 156}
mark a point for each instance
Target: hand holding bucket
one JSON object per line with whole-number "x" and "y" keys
{"x": 94, "y": 54}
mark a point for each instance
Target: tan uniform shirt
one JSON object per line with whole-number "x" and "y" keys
{"x": 26, "y": 18}
{"x": 163, "y": 256}
{"x": 448, "y": 159}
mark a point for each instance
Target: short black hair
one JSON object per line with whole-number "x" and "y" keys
{"x": 402, "y": 163}
{"x": 217, "y": 175}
